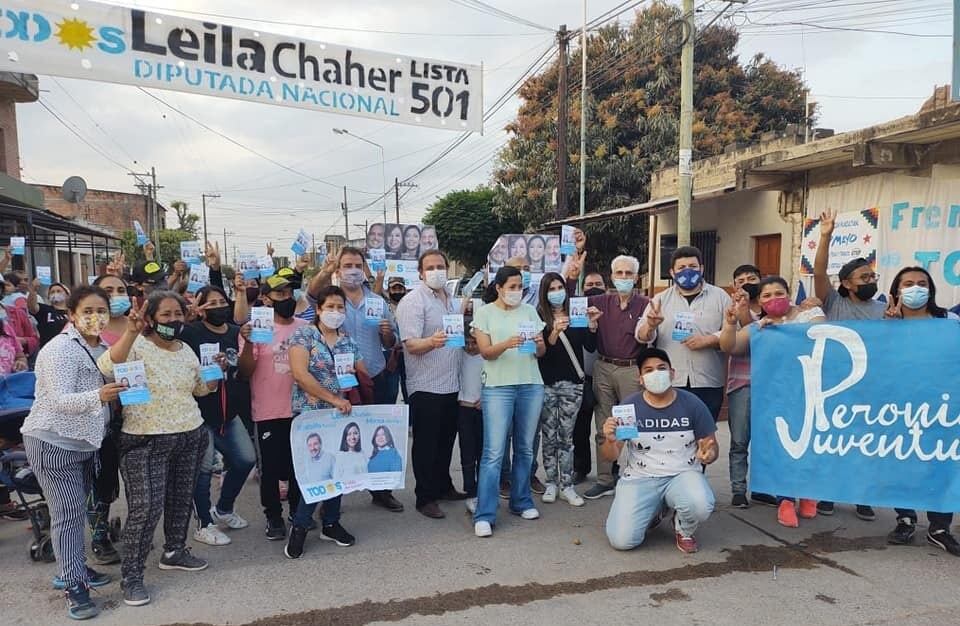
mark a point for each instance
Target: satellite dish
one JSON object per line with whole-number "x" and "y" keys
{"x": 74, "y": 189}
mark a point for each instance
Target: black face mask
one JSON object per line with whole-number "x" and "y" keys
{"x": 396, "y": 296}
{"x": 169, "y": 331}
{"x": 285, "y": 308}
{"x": 218, "y": 316}
{"x": 252, "y": 294}
{"x": 595, "y": 291}
{"x": 752, "y": 289}
{"x": 866, "y": 292}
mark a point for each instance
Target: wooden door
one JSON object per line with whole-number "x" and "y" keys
{"x": 766, "y": 254}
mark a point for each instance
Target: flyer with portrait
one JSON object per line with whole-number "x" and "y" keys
{"x": 209, "y": 368}
{"x": 301, "y": 244}
{"x": 199, "y": 277}
{"x": 453, "y": 329}
{"x": 265, "y": 267}
{"x": 321, "y": 251}
{"x": 261, "y": 324}
{"x": 18, "y": 245}
{"x": 626, "y": 415}
{"x": 336, "y": 453}
{"x": 134, "y": 376}
{"x": 568, "y": 244}
{"x": 43, "y": 275}
{"x": 374, "y": 309}
{"x": 377, "y": 259}
{"x": 578, "y": 313}
{"x": 247, "y": 265}
{"x": 346, "y": 372}
{"x": 527, "y": 331}
{"x": 190, "y": 252}
{"x": 683, "y": 325}
{"x": 141, "y": 234}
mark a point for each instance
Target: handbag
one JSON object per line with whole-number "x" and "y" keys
{"x": 573, "y": 357}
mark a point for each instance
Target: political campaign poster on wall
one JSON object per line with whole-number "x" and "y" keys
{"x": 541, "y": 252}
{"x": 336, "y": 453}
{"x": 854, "y": 236}
{"x": 135, "y": 46}
{"x": 835, "y": 417}
{"x": 402, "y": 245}
{"x": 918, "y": 222}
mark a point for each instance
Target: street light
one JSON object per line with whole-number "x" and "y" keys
{"x": 383, "y": 172}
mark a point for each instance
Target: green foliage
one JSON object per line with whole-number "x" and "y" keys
{"x": 187, "y": 222}
{"x": 169, "y": 246}
{"x": 467, "y": 225}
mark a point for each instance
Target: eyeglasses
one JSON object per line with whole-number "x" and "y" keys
{"x": 867, "y": 278}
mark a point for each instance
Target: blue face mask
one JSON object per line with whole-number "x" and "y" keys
{"x": 119, "y": 305}
{"x": 556, "y": 298}
{"x": 623, "y": 285}
{"x": 688, "y": 278}
{"x": 914, "y": 297}
{"x": 297, "y": 294}
{"x": 525, "y": 277}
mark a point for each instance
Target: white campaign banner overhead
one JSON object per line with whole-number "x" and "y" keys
{"x": 130, "y": 46}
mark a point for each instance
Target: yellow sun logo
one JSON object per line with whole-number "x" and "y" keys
{"x": 75, "y": 34}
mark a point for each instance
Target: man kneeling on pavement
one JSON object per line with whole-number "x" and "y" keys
{"x": 663, "y": 465}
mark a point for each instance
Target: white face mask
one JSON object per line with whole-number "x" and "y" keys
{"x": 435, "y": 279}
{"x": 512, "y": 298}
{"x": 332, "y": 319}
{"x": 657, "y": 381}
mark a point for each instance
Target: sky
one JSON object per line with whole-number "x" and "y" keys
{"x": 858, "y": 78}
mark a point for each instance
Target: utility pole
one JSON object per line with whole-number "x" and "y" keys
{"x": 225, "y": 233}
{"x": 346, "y": 217}
{"x": 153, "y": 215}
{"x": 561, "y": 208}
{"x": 583, "y": 113}
{"x": 204, "y": 197}
{"x": 685, "y": 196}
{"x": 396, "y": 190}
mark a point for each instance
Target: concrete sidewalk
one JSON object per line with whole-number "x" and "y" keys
{"x": 555, "y": 570}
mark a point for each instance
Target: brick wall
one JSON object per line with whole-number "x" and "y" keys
{"x": 114, "y": 210}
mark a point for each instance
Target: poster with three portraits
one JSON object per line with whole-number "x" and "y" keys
{"x": 396, "y": 248}
{"x": 336, "y": 453}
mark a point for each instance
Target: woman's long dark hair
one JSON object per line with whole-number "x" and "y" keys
{"x": 932, "y": 308}
{"x": 373, "y": 440}
{"x": 544, "y": 308}
{"x": 503, "y": 275}
{"x": 344, "y": 447}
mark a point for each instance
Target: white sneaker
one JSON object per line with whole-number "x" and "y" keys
{"x": 530, "y": 514}
{"x": 471, "y": 504}
{"x": 230, "y": 520}
{"x": 550, "y": 495}
{"x": 570, "y": 495}
{"x": 482, "y": 529}
{"x": 211, "y": 535}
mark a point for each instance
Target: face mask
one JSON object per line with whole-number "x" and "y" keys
{"x": 777, "y": 307}
{"x": 91, "y": 325}
{"x": 351, "y": 278}
{"x": 297, "y": 294}
{"x": 119, "y": 305}
{"x": 525, "y": 278}
{"x": 512, "y": 298}
{"x": 657, "y": 381}
{"x": 623, "y": 285}
{"x": 556, "y": 298}
{"x": 752, "y": 289}
{"x": 332, "y": 319}
{"x": 218, "y": 316}
{"x": 915, "y": 297}
{"x": 595, "y": 291}
{"x": 58, "y": 298}
{"x": 396, "y": 296}
{"x": 688, "y": 278}
{"x": 866, "y": 292}
{"x": 3, "y": 314}
{"x": 435, "y": 279}
{"x": 169, "y": 331}
{"x": 285, "y": 308}
{"x": 252, "y": 294}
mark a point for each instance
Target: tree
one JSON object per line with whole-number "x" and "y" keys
{"x": 633, "y": 121}
{"x": 467, "y": 226}
{"x": 168, "y": 246}
{"x": 187, "y": 221}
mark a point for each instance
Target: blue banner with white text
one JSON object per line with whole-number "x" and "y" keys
{"x": 858, "y": 412}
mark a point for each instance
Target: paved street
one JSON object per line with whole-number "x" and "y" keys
{"x": 558, "y": 570}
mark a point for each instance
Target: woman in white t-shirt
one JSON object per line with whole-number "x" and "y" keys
{"x": 774, "y": 300}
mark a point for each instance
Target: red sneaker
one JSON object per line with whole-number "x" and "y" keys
{"x": 807, "y": 508}
{"x": 687, "y": 545}
{"x": 787, "y": 514}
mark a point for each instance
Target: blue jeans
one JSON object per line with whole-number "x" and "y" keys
{"x": 738, "y": 406}
{"x": 507, "y": 466}
{"x": 510, "y": 409}
{"x": 638, "y": 500}
{"x": 239, "y": 457}
{"x": 331, "y": 512}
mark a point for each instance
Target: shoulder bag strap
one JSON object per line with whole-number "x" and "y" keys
{"x": 573, "y": 357}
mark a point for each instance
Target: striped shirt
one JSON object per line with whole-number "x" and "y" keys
{"x": 420, "y": 314}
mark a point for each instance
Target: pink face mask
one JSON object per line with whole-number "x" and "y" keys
{"x": 777, "y": 307}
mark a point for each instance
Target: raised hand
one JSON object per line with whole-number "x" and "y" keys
{"x": 213, "y": 255}
{"x": 730, "y": 314}
{"x": 302, "y": 263}
{"x": 135, "y": 319}
{"x": 270, "y": 249}
{"x": 654, "y": 315}
{"x": 827, "y": 222}
{"x": 149, "y": 250}
{"x": 180, "y": 267}
{"x": 593, "y": 314}
{"x": 894, "y": 311}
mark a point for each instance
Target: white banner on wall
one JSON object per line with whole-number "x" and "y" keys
{"x": 116, "y": 44}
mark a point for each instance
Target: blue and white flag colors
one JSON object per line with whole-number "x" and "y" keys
{"x": 578, "y": 313}
{"x": 453, "y": 329}
{"x": 209, "y": 368}
{"x": 862, "y": 412}
{"x": 626, "y": 415}
{"x": 301, "y": 244}
{"x": 134, "y": 376}
{"x": 191, "y": 252}
{"x": 18, "y": 246}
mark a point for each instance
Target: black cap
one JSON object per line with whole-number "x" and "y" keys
{"x": 148, "y": 272}
{"x": 848, "y": 268}
{"x": 653, "y": 353}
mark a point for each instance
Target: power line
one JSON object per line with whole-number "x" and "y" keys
{"x": 90, "y": 117}
{"x": 90, "y": 145}
{"x": 488, "y": 9}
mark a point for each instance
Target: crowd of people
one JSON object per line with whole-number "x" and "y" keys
{"x": 527, "y": 386}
